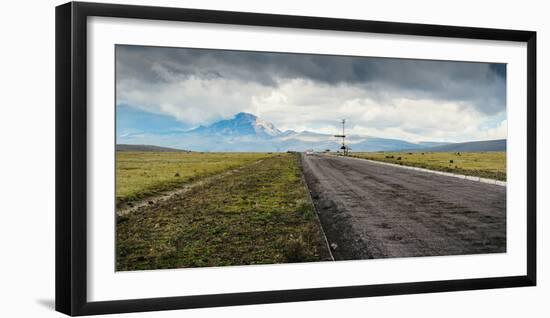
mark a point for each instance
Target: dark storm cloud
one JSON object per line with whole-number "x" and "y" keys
{"x": 483, "y": 85}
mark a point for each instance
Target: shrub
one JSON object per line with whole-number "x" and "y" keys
{"x": 303, "y": 207}
{"x": 451, "y": 161}
{"x": 398, "y": 158}
{"x": 295, "y": 249}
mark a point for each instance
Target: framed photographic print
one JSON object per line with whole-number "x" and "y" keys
{"x": 210, "y": 158}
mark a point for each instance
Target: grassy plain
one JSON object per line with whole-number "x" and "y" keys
{"x": 259, "y": 214}
{"x": 482, "y": 164}
{"x": 140, "y": 174}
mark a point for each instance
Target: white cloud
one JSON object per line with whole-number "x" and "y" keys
{"x": 302, "y": 104}
{"x": 194, "y": 100}
{"x": 307, "y": 105}
{"x": 498, "y": 132}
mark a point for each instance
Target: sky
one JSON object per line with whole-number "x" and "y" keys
{"x": 413, "y": 100}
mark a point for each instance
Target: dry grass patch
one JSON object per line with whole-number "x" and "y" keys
{"x": 140, "y": 174}
{"x": 481, "y": 164}
{"x": 258, "y": 215}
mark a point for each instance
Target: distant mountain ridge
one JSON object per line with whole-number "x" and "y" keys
{"x": 471, "y": 146}
{"x": 247, "y": 133}
{"x": 145, "y": 148}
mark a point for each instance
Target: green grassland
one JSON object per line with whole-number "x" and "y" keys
{"x": 259, "y": 214}
{"x": 481, "y": 164}
{"x": 140, "y": 174}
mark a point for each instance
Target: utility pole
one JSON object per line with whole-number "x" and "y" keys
{"x": 343, "y": 136}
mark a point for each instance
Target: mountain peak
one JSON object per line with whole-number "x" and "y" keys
{"x": 243, "y": 115}
{"x": 242, "y": 124}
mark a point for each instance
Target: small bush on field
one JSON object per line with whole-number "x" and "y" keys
{"x": 304, "y": 208}
{"x": 451, "y": 161}
{"x": 389, "y": 157}
{"x": 398, "y": 158}
{"x": 295, "y": 249}
{"x": 121, "y": 219}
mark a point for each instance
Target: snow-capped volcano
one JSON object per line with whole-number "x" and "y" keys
{"x": 247, "y": 132}
{"x": 243, "y": 124}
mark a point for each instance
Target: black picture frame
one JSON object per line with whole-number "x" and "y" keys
{"x": 71, "y": 157}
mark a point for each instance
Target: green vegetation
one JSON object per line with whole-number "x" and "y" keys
{"x": 140, "y": 174}
{"x": 481, "y": 164}
{"x": 259, "y": 214}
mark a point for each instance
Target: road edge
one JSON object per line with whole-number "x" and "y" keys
{"x": 314, "y": 207}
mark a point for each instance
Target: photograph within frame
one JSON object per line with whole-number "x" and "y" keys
{"x": 72, "y": 232}
{"x": 415, "y": 167}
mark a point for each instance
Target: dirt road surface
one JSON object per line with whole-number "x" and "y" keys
{"x": 369, "y": 210}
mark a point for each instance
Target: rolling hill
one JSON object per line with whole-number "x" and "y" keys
{"x": 145, "y": 148}
{"x": 472, "y": 146}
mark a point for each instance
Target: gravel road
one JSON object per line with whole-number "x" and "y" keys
{"x": 369, "y": 210}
